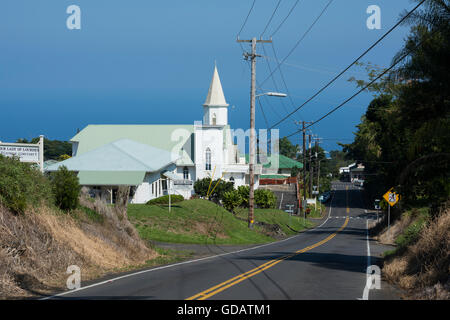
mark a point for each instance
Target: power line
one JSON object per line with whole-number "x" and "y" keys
{"x": 353, "y": 63}
{"x": 282, "y": 77}
{"x": 273, "y": 79}
{"x": 248, "y": 15}
{"x": 243, "y": 51}
{"x": 260, "y": 89}
{"x": 268, "y": 63}
{"x": 354, "y": 95}
{"x": 271, "y": 17}
{"x": 301, "y": 39}
{"x": 284, "y": 20}
{"x": 262, "y": 111}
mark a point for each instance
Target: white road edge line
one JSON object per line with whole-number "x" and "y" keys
{"x": 184, "y": 262}
{"x": 369, "y": 263}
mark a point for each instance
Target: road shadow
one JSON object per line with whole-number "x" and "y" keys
{"x": 330, "y": 261}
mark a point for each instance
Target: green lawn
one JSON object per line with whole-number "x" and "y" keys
{"x": 289, "y": 224}
{"x": 201, "y": 221}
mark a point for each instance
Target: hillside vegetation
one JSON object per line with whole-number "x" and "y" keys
{"x": 38, "y": 241}
{"x": 202, "y": 221}
{"x": 403, "y": 139}
{"x": 420, "y": 262}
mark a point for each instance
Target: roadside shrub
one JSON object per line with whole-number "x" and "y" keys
{"x": 265, "y": 199}
{"x": 216, "y": 189}
{"x": 411, "y": 233}
{"x": 66, "y": 188}
{"x": 221, "y": 188}
{"x": 22, "y": 185}
{"x": 231, "y": 200}
{"x": 165, "y": 199}
{"x": 201, "y": 186}
{"x": 244, "y": 193}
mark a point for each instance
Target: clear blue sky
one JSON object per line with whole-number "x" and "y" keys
{"x": 150, "y": 62}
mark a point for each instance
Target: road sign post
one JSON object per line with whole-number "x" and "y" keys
{"x": 389, "y": 218}
{"x": 391, "y": 198}
{"x": 290, "y": 211}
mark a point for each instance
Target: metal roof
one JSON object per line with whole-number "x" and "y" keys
{"x": 172, "y": 138}
{"x": 111, "y": 178}
{"x": 121, "y": 155}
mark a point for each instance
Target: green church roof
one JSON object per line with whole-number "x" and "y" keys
{"x": 283, "y": 162}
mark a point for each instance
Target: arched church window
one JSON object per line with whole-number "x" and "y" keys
{"x": 214, "y": 119}
{"x": 185, "y": 173}
{"x": 232, "y": 179}
{"x": 208, "y": 159}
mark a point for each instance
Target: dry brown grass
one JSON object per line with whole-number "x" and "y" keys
{"x": 388, "y": 237}
{"x": 37, "y": 247}
{"x": 423, "y": 268}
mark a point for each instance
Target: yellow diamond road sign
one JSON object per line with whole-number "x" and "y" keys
{"x": 391, "y": 197}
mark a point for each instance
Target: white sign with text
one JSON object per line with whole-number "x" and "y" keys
{"x": 24, "y": 153}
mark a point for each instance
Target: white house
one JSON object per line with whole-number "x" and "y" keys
{"x": 157, "y": 159}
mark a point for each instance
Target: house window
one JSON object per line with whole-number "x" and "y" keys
{"x": 208, "y": 159}
{"x": 185, "y": 173}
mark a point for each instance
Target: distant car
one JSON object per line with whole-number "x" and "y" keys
{"x": 377, "y": 204}
{"x": 358, "y": 182}
{"x": 324, "y": 197}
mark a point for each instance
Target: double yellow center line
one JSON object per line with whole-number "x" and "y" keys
{"x": 239, "y": 278}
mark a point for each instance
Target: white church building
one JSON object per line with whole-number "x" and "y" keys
{"x": 157, "y": 159}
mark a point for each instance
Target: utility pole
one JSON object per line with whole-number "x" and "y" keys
{"x": 317, "y": 142}
{"x": 303, "y": 124}
{"x": 304, "y": 169}
{"x": 252, "y": 56}
{"x": 310, "y": 166}
{"x": 317, "y": 166}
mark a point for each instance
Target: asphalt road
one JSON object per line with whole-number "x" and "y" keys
{"x": 328, "y": 262}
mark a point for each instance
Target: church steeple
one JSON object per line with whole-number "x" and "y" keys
{"x": 215, "y": 96}
{"x": 215, "y": 111}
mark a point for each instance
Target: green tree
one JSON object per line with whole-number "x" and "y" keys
{"x": 295, "y": 171}
{"x": 265, "y": 199}
{"x": 63, "y": 157}
{"x": 53, "y": 149}
{"x": 231, "y": 200}
{"x": 216, "y": 189}
{"x": 404, "y": 137}
{"x": 201, "y": 186}
{"x": 287, "y": 148}
{"x": 22, "y": 185}
{"x": 244, "y": 192}
{"x": 66, "y": 188}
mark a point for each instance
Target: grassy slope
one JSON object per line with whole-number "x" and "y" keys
{"x": 200, "y": 221}
{"x": 420, "y": 261}
{"x": 409, "y": 227}
{"x": 288, "y": 224}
